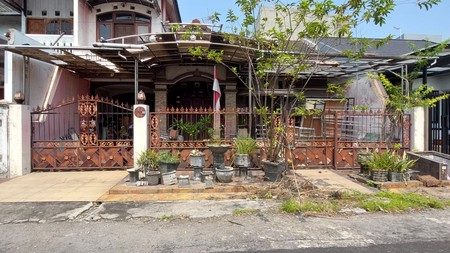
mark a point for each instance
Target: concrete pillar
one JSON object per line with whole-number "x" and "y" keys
{"x": 418, "y": 133}
{"x": 19, "y": 131}
{"x": 161, "y": 104}
{"x": 4, "y": 172}
{"x": 230, "y": 103}
{"x": 141, "y": 133}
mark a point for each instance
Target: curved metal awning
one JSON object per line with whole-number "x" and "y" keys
{"x": 105, "y": 59}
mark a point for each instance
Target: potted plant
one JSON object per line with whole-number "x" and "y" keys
{"x": 362, "y": 156}
{"x": 167, "y": 162}
{"x": 197, "y": 161}
{"x": 380, "y": 163}
{"x": 244, "y": 147}
{"x": 402, "y": 164}
{"x": 148, "y": 162}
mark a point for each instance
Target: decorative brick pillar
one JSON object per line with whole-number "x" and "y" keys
{"x": 161, "y": 105}
{"x": 230, "y": 105}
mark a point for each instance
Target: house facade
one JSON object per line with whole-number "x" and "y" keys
{"x": 73, "y": 70}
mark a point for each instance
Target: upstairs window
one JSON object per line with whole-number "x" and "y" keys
{"x": 119, "y": 24}
{"x": 49, "y": 26}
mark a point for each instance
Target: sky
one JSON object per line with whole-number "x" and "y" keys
{"x": 407, "y": 17}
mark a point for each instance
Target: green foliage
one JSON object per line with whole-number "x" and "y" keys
{"x": 293, "y": 206}
{"x": 290, "y": 206}
{"x": 397, "y": 102}
{"x": 193, "y": 128}
{"x": 288, "y": 51}
{"x": 382, "y": 201}
{"x": 395, "y": 202}
{"x": 427, "y": 4}
{"x": 148, "y": 161}
{"x": 389, "y": 160}
{"x": 167, "y": 157}
{"x": 245, "y": 145}
{"x": 166, "y": 217}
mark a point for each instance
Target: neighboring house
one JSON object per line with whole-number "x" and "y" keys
{"x": 10, "y": 16}
{"x": 110, "y": 49}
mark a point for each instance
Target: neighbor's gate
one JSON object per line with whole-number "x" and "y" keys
{"x": 90, "y": 133}
{"x": 439, "y": 125}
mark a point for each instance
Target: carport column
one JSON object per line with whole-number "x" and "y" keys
{"x": 141, "y": 134}
{"x": 230, "y": 104}
{"x": 19, "y": 131}
{"x": 161, "y": 105}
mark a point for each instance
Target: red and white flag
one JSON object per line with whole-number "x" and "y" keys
{"x": 216, "y": 90}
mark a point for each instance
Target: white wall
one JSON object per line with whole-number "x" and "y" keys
{"x": 19, "y": 146}
{"x": 441, "y": 82}
{"x": 4, "y": 140}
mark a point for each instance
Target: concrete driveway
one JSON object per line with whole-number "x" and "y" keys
{"x": 59, "y": 186}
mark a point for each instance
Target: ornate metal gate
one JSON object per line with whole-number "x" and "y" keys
{"x": 91, "y": 133}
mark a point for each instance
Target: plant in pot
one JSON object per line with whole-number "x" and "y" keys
{"x": 362, "y": 156}
{"x": 401, "y": 165}
{"x": 168, "y": 164}
{"x": 379, "y": 164}
{"x": 148, "y": 162}
{"x": 244, "y": 147}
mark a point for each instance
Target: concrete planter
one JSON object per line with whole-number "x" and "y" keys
{"x": 224, "y": 175}
{"x": 380, "y": 175}
{"x": 273, "y": 171}
{"x": 242, "y": 160}
{"x": 166, "y": 167}
{"x": 133, "y": 175}
{"x": 153, "y": 177}
{"x": 197, "y": 161}
{"x": 169, "y": 178}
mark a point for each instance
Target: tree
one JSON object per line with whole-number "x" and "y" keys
{"x": 288, "y": 49}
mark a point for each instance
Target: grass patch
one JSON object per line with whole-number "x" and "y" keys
{"x": 166, "y": 217}
{"x": 244, "y": 211}
{"x": 399, "y": 202}
{"x": 333, "y": 202}
{"x": 290, "y": 206}
{"x": 293, "y": 206}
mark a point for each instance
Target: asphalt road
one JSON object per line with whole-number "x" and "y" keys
{"x": 264, "y": 231}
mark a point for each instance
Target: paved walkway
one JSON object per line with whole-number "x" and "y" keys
{"x": 330, "y": 180}
{"x": 59, "y": 186}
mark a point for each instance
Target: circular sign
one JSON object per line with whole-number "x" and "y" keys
{"x": 139, "y": 112}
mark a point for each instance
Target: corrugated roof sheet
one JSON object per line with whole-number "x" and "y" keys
{"x": 6, "y": 9}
